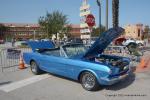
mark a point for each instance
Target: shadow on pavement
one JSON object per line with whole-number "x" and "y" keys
{"x": 118, "y": 86}
{"x": 122, "y": 84}
{"x": 63, "y": 77}
{"x": 3, "y": 83}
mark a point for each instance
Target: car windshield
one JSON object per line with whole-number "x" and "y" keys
{"x": 75, "y": 50}
{"x": 51, "y": 52}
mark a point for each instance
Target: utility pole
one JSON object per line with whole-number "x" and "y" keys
{"x": 34, "y": 34}
{"x": 106, "y": 27}
{"x": 99, "y": 4}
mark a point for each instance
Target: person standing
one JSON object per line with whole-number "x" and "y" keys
{"x": 13, "y": 42}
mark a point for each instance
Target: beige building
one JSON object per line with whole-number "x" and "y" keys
{"x": 134, "y": 31}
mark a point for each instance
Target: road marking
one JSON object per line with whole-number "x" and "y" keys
{"x": 15, "y": 85}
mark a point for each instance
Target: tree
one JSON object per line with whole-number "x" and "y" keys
{"x": 2, "y": 30}
{"x": 66, "y": 30}
{"x": 115, "y": 12}
{"x": 53, "y": 23}
{"x": 96, "y": 31}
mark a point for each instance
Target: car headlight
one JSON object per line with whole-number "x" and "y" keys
{"x": 114, "y": 63}
{"x": 110, "y": 72}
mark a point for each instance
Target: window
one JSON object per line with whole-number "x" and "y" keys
{"x": 75, "y": 50}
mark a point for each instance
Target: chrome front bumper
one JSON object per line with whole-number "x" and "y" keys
{"x": 113, "y": 80}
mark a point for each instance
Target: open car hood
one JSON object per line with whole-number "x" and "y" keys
{"x": 40, "y": 45}
{"x": 103, "y": 41}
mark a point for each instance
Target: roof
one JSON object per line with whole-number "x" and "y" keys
{"x": 74, "y": 25}
{"x": 32, "y": 25}
{"x": 20, "y": 25}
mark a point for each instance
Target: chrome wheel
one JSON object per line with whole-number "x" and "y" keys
{"x": 88, "y": 81}
{"x": 33, "y": 67}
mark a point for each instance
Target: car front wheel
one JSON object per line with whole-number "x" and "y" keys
{"x": 89, "y": 81}
{"x": 35, "y": 68}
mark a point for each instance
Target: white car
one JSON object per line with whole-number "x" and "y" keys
{"x": 20, "y": 43}
{"x": 123, "y": 51}
{"x": 129, "y": 41}
{"x": 117, "y": 50}
{"x": 140, "y": 42}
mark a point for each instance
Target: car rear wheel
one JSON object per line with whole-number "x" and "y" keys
{"x": 89, "y": 81}
{"x": 35, "y": 68}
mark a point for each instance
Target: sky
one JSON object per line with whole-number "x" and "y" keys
{"x": 28, "y": 11}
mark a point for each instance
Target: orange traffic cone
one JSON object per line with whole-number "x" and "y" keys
{"x": 142, "y": 63}
{"x": 21, "y": 63}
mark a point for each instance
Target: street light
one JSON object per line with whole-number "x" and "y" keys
{"x": 34, "y": 34}
{"x": 99, "y": 4}
{"x": 106, "y": 15}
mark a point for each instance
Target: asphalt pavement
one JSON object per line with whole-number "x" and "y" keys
{"x": 23, "y": 85}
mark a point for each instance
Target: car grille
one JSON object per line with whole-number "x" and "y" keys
{"x": 123, "y": 66}
{"x": 121, "y": 72}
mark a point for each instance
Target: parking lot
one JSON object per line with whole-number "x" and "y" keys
{"x": 23, "y": 85}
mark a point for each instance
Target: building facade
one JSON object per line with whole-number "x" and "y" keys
{"x": 134, "y": 31}
{"x": 84, "y": 11}
{"x": 22, "y": 31}
{"x": 75, "y": 31}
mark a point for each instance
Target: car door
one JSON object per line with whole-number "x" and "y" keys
{"x": 49, "y": 64}
{"x": 55, "y": 64}
{"x": 66, "y": 67}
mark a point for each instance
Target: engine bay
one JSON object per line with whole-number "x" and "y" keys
{"x": 114, "y": 61}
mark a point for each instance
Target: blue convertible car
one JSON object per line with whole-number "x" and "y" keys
{"x": 87, "y": 65}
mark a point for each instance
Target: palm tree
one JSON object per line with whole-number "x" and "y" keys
{"x": 53, "y": 23}
{"x": 115, "y": 12}
{"x": 96, "y": 31}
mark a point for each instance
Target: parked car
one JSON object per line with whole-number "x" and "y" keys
{"x": 132, "y": 41}
{"x": 74, "y": 40}
{"x": 21, "y": 44}
{"x": 87, "y": 65}
{"x": 119, "y": 41}
{"x": 134, "y": 54}
{"x": 45, "y": 39}
{"x": 140, "y": 42}
{"x": 2, "y": 41}
{"x": 117, "y": 50}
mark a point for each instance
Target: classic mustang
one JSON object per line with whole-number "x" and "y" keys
{"x": 88, "y": 65}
